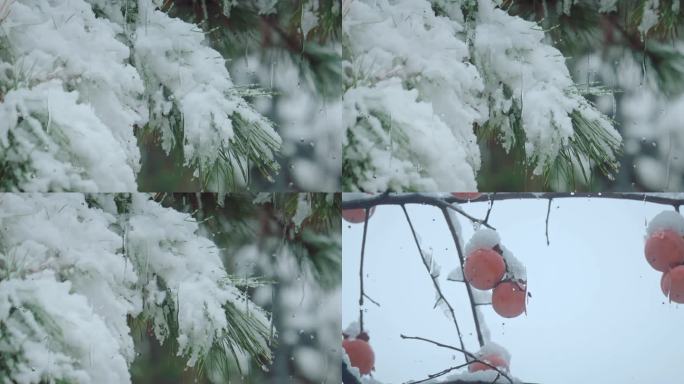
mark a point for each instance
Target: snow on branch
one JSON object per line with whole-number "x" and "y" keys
{"x": 79, "y": 79}
{"x": 424, "y": 80}
{"x": 215, "y": 125}
{"x": 75, "y": 268}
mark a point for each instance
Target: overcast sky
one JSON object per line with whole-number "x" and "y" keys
{"x": 597, "y": 314}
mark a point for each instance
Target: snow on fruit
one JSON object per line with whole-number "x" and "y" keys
{"x": 360, "y": 353}
{"x": 664, "y": 250}
{"x": 508, "y": 298}
{"x": 493, "y": 355}
{"x": 357, "y": 215}
{"x": 672, "y": 284}
{"x": 484, "y": 268}
{"x": 492, "y": 359}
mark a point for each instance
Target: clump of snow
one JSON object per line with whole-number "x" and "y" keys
{"x": 649, "y": 17}
{"x": 71, "y": 98}
{"x": 482, "y": 297}
{"x": 74, "y": 87}
{"x": 409, "y": 80}
{"x": 456, "y": 275}
{"x": 671, "y": 220}
{"x": 73, "y": 270}
{"x": 489, "y": 375}
{"x": 60, "y": 232}
{"x": 51, "y": 332}
{"x": 417, "y": 88}
{"x": 492, "y": 348}
{"x": 173, "y": 53}
{"x": 303, "y": 210}
{"x": 374, "y": 115}
{"x": 178, "y": 266}
{"x": 484, "y": 238}
{"x": 514, "y": 268}
{"x": 523, "y": 72}
{"x": 484, "y": 329}
{"x": 309, "y": 18}
{"x": 62, "y": 142}
{"x": 353, "y": 329}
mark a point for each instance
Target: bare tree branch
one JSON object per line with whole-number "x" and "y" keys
{"x": 363, "y": 251}
{"x": 469, "y": 289}
{"x": 445, "y": 201}
{"x": 473, "y": 358}
{"x": 434, "y": 280}
{"x": 548, "y": 213}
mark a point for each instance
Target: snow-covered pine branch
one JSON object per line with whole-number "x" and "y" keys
{"x": 425, "y": 79}
{"x": 79, "y": 78}
{"x": 74, "y": 268}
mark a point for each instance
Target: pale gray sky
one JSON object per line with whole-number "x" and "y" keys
{"x": 597, "y": 314}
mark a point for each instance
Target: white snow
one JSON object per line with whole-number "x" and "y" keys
{"x": 83, "y": 350}
{"x": 671, "y": 220}
{"x": 73, "y": 273}
{"x": 510, "y": 53}
{"x": 411, "y": 73}
{"x": 173, "y": 53}
{"x": 59, "y": 232}
{"x": 456, "y": 274}
{"x": 409, "y": 78}
{"x": 484, "y": 238}
{"x": 514, "y": 268}
{"x": 77, "y": 85}
{"x": 649, "y": 17}
{"x": 353, "y": 329}
{"x": 173, "y": 256}
{"x": 492, "y": 348}
{"x": 481, "y": 297}
{"x": 80, "y": 97}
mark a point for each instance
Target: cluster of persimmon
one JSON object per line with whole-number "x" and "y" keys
{"x": 485, "y": 269}
{"x": 664, "y": 251}
{"x": 360, "y": 353}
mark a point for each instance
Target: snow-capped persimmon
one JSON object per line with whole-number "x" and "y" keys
{"x": 466, "y": 195}
{"x": 360, "y": 354}
{"x": 672, "y": 284}
{"x": 357, "y": 215}
{"x": 495, "y": 360}
{"x": 508, "y": 298}
{"x": 484, "y": 268}
{"x": 664, "y": 250}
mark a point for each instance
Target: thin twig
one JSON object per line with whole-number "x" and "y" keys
{"x": 469, "y": 289}
{"x": 371, "y": 300}
{"x": 548, "y": 213}
{"x": 474, "y": 359}
{"x": 434, "y": 279}
{"x": 489, "y": 210}
{"x": 363, "y": 252}
{"x": 438, "y": 374}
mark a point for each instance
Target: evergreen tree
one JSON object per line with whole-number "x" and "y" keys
{"x": 460, "y": 95}
{"x": 90, "y": 284}
{"x": 95, "y": 94}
